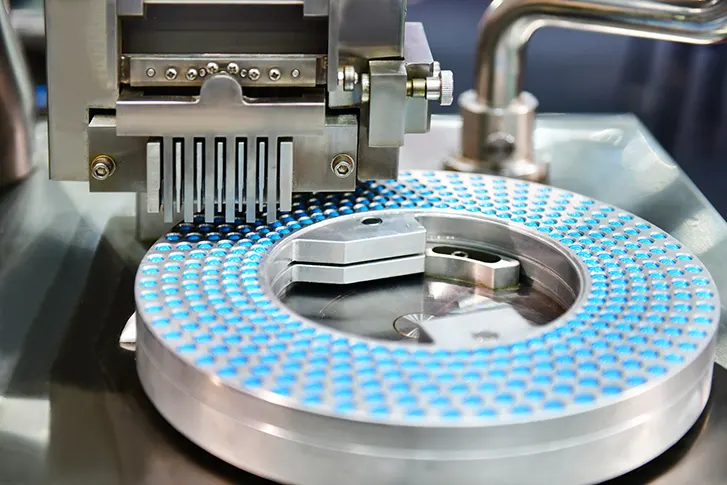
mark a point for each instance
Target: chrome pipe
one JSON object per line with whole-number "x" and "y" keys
{"x": 498, "y": 117}
{"x": 508, "y": 25}
{"x": 16, "y": 107}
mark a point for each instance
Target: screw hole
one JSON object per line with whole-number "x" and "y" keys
{"x": 371, "y": 221}
{"x": 461, "y": 254}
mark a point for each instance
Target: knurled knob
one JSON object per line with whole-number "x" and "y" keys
{"x": 447, "y": 90}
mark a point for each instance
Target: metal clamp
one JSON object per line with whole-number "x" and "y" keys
{"x": 357, "y": 250}
{"x": 498, "y": 116}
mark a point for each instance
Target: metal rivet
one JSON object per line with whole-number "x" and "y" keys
{"x": 212, "y": 67}
{"x": 342, "y": 165}
{"x": 233, "y": 68}
{"x": 243, "y": 73}
{"x": 191, "y": 74}
{"x": 274, "y": 74}
{"x": 170, "y": 74}
{"x": 254, "y": 74}
{"x": 202, "y": 72}
{"x": 102, "y": 167}
{"x": 295, "y": 73}
{"x": 151, "y": 72}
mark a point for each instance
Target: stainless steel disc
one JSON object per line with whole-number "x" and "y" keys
{"x": 611, "y": 370}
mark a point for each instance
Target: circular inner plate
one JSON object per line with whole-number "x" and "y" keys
{"x": 602, "y": 389}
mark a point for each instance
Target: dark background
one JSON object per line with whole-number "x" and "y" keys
{"x": 676, "y": 90}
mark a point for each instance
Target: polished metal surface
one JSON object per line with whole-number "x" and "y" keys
{"x": 347, "y": 79}
{"x": 17, "y": 109}
{"x": 72, "y": 410}
{"x": 507, "y": 26}
{"x": 192, "y": 70}
{"x": 394, "y": 309}
{"x": 627, "y": 367}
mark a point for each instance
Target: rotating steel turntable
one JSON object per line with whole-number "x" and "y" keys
{"x": 459, "y": 327}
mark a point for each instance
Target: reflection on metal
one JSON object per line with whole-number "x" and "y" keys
{"x": 356, "y": 250}
{"x": 491, "y": 381}
{"x": 473, "y": 266}
{"x": 498, "y": 107}
{"x": 16, "y": 107}
{"x": 127, "y": 340}
{"x": 475, "y": 330}
{"x": 178, "y": 69}
{"x": 66, "y": 373}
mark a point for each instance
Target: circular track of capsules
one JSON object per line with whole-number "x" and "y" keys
{"x": 228, "y": 365}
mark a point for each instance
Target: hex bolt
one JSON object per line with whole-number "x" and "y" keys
{"x": 170, "y": 74}
{"x": 295, "y": 73}
{"x": 274, "y": 74}
{"x": 191, "y": 74}
{"x": 102, "y": 167}
{"x": 212, "y": 67}
{"x": 151, "y": 72}
{"x": 233, "y": 68}
{"x": 342, "y": 165}
{"x": 254, "y": 74}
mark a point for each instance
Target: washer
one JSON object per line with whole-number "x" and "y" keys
{"x": 606, "y": 386}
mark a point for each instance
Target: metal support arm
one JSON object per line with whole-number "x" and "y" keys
{"x": 498, "y": 115}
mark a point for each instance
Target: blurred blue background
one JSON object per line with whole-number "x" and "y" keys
{"x": 676, "y": 90}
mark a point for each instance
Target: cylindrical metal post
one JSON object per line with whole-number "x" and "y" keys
{"x": 498, "y": 116}
{"x": 16, "y": 107}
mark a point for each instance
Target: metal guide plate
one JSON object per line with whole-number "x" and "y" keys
{"x": 637, "y": 345}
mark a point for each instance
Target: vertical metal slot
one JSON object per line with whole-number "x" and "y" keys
{"x": 285, "y": 171}
{"x": 241, "y": 170}
{"x": 251, "y": 190}
{"x": 209, "y": 178}
{"x": 230, "y": 177}
{"x": 168, "y": 178}
{"x": 262, "y": 159}
{"x": 178, "y": 175}
{"x": 199, "y": 172}
{"x": 189, "y": 178}
{"x": 272, "y": 195}
{"x": 153, "y": 176}
{"x": 219, "y": 173}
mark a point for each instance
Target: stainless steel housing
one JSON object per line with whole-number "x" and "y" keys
{"x": 133, "y": 81}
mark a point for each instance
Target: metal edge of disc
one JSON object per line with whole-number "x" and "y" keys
{"x": 674, "y": 424}
{"x": 586, "y": 281}
{"x": 278, "y": 453}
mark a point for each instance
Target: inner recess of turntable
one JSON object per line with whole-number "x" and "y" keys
{"x": 474, "y": 268}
